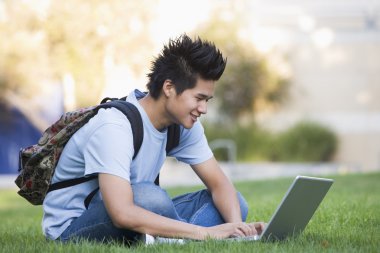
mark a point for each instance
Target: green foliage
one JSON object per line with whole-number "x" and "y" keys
{"x": 248, "y": 83}
{"x": 44, "y": 44}
{"x": 304, "y": 142}
{"x": 346, "y": 221}
{"x": 23, "y": 58}
{"x": 252, "y": 142}
{"x": 81, "y": 41}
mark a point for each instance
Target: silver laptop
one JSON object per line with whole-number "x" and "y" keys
{"x": 296, "y": 208}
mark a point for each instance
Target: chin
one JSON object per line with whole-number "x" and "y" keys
{"x": 188, "y": 125}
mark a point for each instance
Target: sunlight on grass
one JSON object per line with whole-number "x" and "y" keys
{"x": 348, "y": 220}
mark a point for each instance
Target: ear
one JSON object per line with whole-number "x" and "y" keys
{"x": 168, "y": 88}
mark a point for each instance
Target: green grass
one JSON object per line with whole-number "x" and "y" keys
{"x": 348, "y": 220}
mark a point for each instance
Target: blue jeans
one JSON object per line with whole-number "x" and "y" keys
{"x": 195, "y": 208}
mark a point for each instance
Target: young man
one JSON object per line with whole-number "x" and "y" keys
{"x": 129, "y": 204}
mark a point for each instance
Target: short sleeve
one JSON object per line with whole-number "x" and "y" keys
{"x": 193, "y": 147}
{"x": 109, "y": 150}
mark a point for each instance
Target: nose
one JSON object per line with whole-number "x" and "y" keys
{"x": 202, "y": 108}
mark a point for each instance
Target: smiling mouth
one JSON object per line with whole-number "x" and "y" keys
{"x": 194, "y": 117}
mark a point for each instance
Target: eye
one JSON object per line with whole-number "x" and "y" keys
{"x": 200, "y": 98}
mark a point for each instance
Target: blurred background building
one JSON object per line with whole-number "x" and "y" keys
{"x": 333, "y": 48}
{"x": 330, "y": 49}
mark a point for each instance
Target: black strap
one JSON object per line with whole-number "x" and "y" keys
{"x": 106, "y": 99}
{"x": 172, "y": 142}
{"x": 70, "y": 182}
{"x": 157, "y": 180}
{"x": 173, "y": 137}
{"x": 89, "y": 197}
{"x": 134, "y": 117}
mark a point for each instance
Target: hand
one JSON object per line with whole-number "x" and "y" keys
{"x": 259, "y": 226}
{"x": 239, "y": 229}
{"x": 255, "y": 228}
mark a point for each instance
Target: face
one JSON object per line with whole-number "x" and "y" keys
{"x": 187, "y": 107}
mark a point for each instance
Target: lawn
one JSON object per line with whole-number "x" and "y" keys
{"x": 348, "y": 220}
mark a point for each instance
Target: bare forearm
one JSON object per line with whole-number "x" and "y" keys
{"x": 118, "y": 199}
{"x": 144, "y": 221}
{"x": 226, "y": 200}
{"x": 223, "y": 192}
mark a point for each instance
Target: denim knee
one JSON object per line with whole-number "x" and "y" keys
{"x": 153, "y": 198}
{"x": 243, "y": 206}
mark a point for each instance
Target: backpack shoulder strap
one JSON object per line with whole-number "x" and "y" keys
{"x": 172, "y": 142}
{"x": 134, "y": 117}
{"x": 173, "y": 137}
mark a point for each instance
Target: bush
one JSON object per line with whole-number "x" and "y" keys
{"x": 253, "y": 143}
{"x": 304, "y": 142}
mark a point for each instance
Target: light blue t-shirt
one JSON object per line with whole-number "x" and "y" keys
{"x": 104, "y": 145}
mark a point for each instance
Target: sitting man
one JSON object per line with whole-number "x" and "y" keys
{"x": 129, "y": 204}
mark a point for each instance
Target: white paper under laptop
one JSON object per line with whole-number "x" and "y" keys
{"x": 296, "y": 208}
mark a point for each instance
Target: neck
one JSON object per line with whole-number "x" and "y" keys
{"x": 155, "y": 109}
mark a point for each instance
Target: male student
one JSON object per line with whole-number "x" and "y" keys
{"x": 128, "y": 204}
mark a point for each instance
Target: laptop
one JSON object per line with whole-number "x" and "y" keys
{"x": 295, "y": 210}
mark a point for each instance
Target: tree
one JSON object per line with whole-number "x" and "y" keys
{"x": 248, "y": 83}
{"x": 24, "y": 63}
{"x": 80, "y": 40}
{"x": 42, "y": 44}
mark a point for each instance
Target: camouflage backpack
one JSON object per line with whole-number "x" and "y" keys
{"x": 37, "y": 163}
